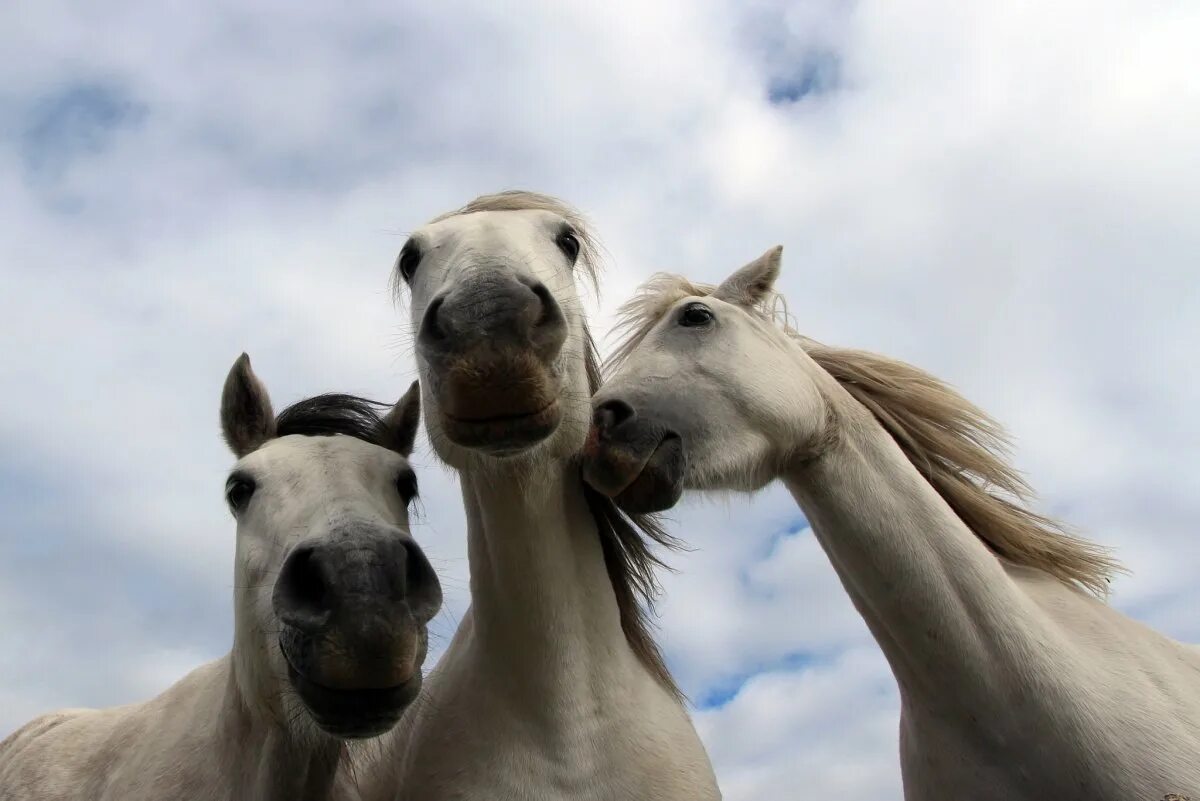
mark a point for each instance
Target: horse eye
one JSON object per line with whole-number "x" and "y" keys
{"x": 410, "y": 258}
{"x": 238, "y": 492}
{"x": 696, "y": 314}
{"x": 406, "y": 485}
{"x": 568, "y": 243}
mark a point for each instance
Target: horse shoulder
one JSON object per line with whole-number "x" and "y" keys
{"x": 35, "y": 761}
{"x": 1113, "y": 701}
{"x": 93, "y": 753}
{"x": 11, "y": 745}
{"x": 1126, "y": 673}
{"x": 1098, "y": 630}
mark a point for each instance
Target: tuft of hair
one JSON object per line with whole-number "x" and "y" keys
{"x": 590, "y": 251}
{"x": 637, "y": 316}
{"x": 961, "y": 451}
{"x": 334, "y": 413}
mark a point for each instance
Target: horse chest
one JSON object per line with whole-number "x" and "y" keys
{"x": 471, "y": 743}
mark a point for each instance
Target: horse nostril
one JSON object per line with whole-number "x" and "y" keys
{"x": 422, "y": 588}
{"x": 431, "y": 326}
{"x": 550, "y": 310}
{"x": 611, "y": 414}
{"x": 302, "y": 597}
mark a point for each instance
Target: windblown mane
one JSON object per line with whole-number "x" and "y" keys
{"x": 960, "y": 450}
{"x": 626, "y": 540}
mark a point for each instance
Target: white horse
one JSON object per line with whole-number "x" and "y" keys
{"x": 1016, "y": 681}
{"x": 552, "y": 686}
{"x": 331, "y": 604}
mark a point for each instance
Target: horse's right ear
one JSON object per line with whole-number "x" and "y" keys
{"x": 400, "y": 425}
{"x": 751, "y": 284}
{"x": 247, "y": 419}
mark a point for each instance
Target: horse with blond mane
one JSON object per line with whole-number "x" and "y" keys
{"x": 1017, "y": 682}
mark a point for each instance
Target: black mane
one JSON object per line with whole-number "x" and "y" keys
{"x": 333, "y": 413}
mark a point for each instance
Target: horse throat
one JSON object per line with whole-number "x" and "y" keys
{"x": 262, "y": 749}
{"x": 544, "y": 611}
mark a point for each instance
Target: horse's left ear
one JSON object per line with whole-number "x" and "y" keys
{"x": 247, "y": 420}
{"x": 751, "y": 284}
{"x": 400, "y": 425}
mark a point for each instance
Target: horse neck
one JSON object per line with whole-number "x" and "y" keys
{"x": 544, "y": 614}
{"x": 936, "y": 599}
{"x": 262, "y": 747}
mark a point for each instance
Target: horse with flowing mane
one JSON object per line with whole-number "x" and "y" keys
{"x": 331, "y": 602}
{"x": 1017, "y": 682}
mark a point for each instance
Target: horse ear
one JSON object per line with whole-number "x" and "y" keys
{"x": 247, "y": 419}
{"x": 751, "y": 284}
{"x": 400, "y": 425}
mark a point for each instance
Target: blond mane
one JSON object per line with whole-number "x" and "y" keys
{"x": 961, "y": 451}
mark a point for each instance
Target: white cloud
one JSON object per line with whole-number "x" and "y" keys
{"x": 846, "y": 715}
{"x": 1005, "y": 195}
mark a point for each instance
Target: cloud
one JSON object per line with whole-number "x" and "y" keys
{"x": 843, "y": 711}
{"x": 1005, "y": 196}
{"x": 76, "y": 122}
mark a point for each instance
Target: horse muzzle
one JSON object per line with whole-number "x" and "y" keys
{"x": 351, "y": 710}
{"x": 638, "y": 463}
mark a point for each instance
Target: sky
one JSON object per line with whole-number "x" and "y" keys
{"x": 1004, "y": 194}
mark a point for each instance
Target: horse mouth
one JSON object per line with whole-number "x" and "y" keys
{"x": 637, "y": 483}
{"x": 502, "y": 418}
{"x": 498, "y": 400}
{"x": 354, "y": 713}
{"x": 503, "y": 433}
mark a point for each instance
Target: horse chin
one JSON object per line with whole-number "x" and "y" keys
{"x": 637, "y": 484}
{"x": 354, "y": 714}
{"x": 348, "y": 710}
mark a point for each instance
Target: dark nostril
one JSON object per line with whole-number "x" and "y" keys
{"x": 550, "y": 311}
{"x": 431, "y": 326}
{"x": 611, "y": 414}
{"x": 423, "y": 590}
{"x": 543, "y": 294}
{"x": 302, "y": 597}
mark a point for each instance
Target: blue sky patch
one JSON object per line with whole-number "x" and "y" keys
{"x": 77, "y": 121}
{"x": 795, "y": 527}
{"x": 818, "y": 73}
{"x": 722, "y": 693}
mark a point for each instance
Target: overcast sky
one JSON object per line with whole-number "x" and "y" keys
{"x": 1006, "y": 194}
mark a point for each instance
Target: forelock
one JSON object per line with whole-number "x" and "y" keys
{"x": 590, "y": 251}
{"x": 334, "y": 413}
{"x": 637, "y": 317}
